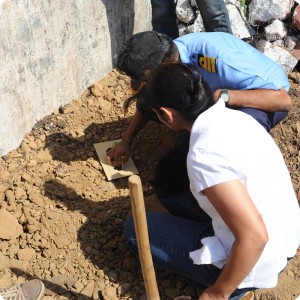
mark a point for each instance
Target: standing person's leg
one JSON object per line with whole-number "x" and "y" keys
{"x": 164, "y": 17}
{"x": 215, "y": 15}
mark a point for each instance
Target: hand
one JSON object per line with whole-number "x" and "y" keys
{"x": 119, "y": 154}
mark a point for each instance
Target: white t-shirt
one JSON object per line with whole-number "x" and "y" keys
{"x": 227, "y": 145}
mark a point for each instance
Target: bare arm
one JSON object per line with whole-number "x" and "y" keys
{"x": 267, "y": 100}
{"x": 235, "y": 206}
{"x": 123, "y": 149}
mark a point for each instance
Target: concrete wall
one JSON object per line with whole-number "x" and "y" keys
{"x": 52, "y": 50}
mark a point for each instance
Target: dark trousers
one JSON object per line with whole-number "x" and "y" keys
{"x": 213, "y": 12}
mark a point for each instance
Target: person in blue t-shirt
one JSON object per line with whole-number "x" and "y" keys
{"x": 250, "y": 81}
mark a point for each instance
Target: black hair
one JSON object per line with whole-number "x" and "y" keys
{"x": 169, "y": 47}
{"x": 178, "y": 86}
{"x": 145, "y": 51}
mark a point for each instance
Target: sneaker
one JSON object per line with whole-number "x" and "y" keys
{"x": 31, "y": 290}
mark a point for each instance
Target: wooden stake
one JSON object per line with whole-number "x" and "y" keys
{"x": 141, "y": 231}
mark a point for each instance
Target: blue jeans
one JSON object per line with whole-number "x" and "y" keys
{"x": 173, "y": 235}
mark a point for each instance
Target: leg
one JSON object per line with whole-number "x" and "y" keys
{"x": 171, "y": 251}
{"x": 172, "y": 183}
{"x": 215, "y": 15}
{"x": 164, "y": 17}
{"x": 171, "y": 240}
{"x": 184, "y": 205}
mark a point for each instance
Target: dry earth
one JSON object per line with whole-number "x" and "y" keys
{"x": 62, "y": 221}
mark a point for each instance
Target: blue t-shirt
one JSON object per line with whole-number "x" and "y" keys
{"x": 228, "y": 62}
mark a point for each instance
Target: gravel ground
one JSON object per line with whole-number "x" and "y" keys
{"x": 62, "y": 221}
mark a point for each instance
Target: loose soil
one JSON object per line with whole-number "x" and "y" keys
{"x": 62, "y": 221}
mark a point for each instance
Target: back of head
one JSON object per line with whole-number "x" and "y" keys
{"x": 143, "y": 52}
{"x": 178, "y": 86}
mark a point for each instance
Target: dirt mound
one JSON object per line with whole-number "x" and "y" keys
{"x": 62, "y": 221}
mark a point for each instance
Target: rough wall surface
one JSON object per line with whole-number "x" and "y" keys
{"x": 51, "y": 51}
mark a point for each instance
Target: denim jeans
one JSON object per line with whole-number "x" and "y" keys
{"x": 173, "y": 235}
{"x": 213, "y": 12}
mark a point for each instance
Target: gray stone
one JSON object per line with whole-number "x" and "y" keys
{"x": 266, "y": 10}
{"x": 197, "y": 26}
{"x": 278, "y": 54}
{"x": 275, "y": 31}
{"x": 184, "y": 11}
{"x": 239, "y": 26}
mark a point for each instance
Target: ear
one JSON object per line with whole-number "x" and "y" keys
{"x": 166, "y": 114}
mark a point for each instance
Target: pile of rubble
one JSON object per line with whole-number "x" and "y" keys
{"x": 271, "y": 26}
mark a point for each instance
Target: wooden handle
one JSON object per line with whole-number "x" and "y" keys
{"x": 141, "y": 231}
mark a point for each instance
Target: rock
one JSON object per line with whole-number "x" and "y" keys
{"x": 130, "y": 263}
{"x": 9, "y": 226}
{"x": 62, "y": 241}
{"x": 275, "y": 31}
{"x": 298, "y": 128}
{"x": 61, "y": 123}
{"x": 10, "y": 197}
{"x": 110, "y": 293}
{"x": 105, "y": 106}
{"x": 239, "y": 26}
{"x": 290, "y": 43}
{"x": 278, "y": 54}
{"x": 259, "y": 10}
{"x": 97, "y": 88}
{"x": 57, "y": 285}
{"x": 36, "y": 199}
{"x": 26, "y": 177}
{"x": 62, "y": 170}
{"x": 26, "y": 254}
{"x": 184, "y": 11}
{"x": 143, "y": 296}
{"x": 18, "y": 265}
{"x": 189, "y": 290}
{"x": 43, "y": 156}
{"x": 79, "y": 286}
{"x": 88, "y": 289}
{"x": 71, "y": 228}
{"x": 124, "y": 288}
{"x": 166, "y": 283}
{"x": 4, "y": 261}
{"x": 172, "y": 292}
{"x": 20, "y": 194}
